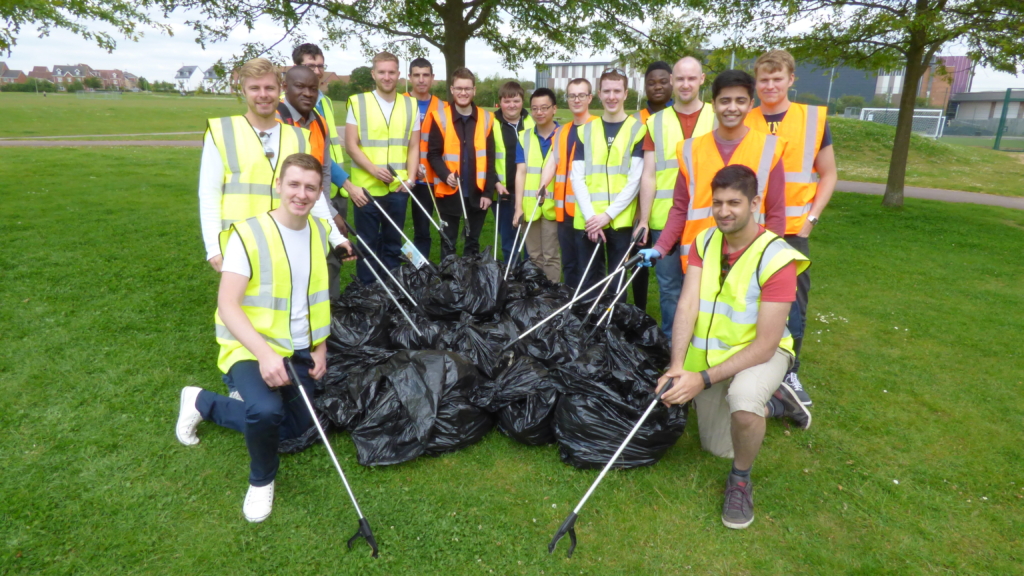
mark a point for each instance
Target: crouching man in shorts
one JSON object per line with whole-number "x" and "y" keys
{"x": 730, "y": 344}
{"x": 273, "y": 304}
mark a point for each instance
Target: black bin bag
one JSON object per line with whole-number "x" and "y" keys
{"x": 604, "y": 393}
{"x": 524, "y": 397}
{"x": 337, "y": 401}
{"x": 361, "y": 316}
{"x": 416, "y": 403}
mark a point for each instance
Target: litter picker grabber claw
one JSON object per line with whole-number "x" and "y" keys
{"x": 517, "y": 249}
{"x": 423, "y": 209}
{"x": 569, "y": 526}
{"x": 364, "y": 530}
{"x": 386, "y": 289}
{"x": 462, "y": 201}
{"x": 386, "y": 271}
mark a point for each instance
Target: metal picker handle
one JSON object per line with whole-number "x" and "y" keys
{"x": 367, "y": 533}
{"x": 389, "y": 292}
{"x": 462, "y": 201}
{"x": 418, "y": 203}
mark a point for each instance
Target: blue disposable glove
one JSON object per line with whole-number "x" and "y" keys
{"x": 650, "y": 255}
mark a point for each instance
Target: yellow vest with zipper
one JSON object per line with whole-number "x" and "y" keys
{"x": 727, "y": 320}
{"x": 535, "y": 161}
{"x": 606, "y": 169}
{"x": 267, "y": 301}
{"x": 499, "y": 147}
{"x": 337, "y": 152}
{"x": 385, "y": 141}
{"x": 665, "y": 131}
{"x": 248, "y": 187}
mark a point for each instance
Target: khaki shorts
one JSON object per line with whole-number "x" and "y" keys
{"x": 748, "y": 391}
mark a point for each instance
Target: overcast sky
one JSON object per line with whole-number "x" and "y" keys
{"x": 158, "y": 56}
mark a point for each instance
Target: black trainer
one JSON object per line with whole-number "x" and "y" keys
{"x": 795, "y": 410}
{"x": 794, "y": 382}
{"x": 738, "y": 509}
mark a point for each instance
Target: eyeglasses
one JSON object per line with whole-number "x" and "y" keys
{"x": 578, "y": 96}
{"x": 611, "y": 70}
{"x": 540, "y": 109}
{"x": 461, "y": 90}
{"x": 316, "y": 66}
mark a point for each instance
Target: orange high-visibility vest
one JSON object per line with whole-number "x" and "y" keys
{"x": 438, "y": 105}
{"x": 699, "y": 161}
{"x": 317, "y": 132}
{"x": 565, "y": 200}
{"x": 642, "y": 115}
{"x": 803, "y": 128}
{"x": 453, "y": 147}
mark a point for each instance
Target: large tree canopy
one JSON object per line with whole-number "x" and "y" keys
{"x": 125, "y": 16}
{"x": 890, "y": 34}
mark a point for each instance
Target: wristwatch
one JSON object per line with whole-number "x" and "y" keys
{"x": 813, "y": 220}
{"x": 706, "y": 378}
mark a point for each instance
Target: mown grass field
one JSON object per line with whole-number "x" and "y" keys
{"x": 862, "y": 149}
{"x": 913, "y": 360}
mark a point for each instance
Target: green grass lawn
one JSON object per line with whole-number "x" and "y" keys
{"x": 913, "y": 360}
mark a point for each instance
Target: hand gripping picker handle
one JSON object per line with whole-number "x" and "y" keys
{"x": 364, "y": 530}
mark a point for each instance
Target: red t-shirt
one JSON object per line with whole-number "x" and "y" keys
{"x": 687, "y": 121}
{"x": 781, "y": 287}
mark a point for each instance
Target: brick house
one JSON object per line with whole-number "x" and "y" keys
{"x": 64, "y": 75}
{"x": 9, "y": 76}
{"x": 41, "y": 73}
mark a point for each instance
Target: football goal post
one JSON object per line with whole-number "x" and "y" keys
{"x": 926, "y": 122}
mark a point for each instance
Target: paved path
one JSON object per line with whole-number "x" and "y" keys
{"x": 934, "y": 194}
{"x": 97, "y": 136}
{"x": 79, "y": 143}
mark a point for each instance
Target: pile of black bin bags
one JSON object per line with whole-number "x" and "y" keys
{"x": 401, "y": 394}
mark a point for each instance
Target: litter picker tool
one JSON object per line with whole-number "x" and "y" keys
{"x": 364, "y": 530}
{"x": 608, "y": 311}
{"x": 408, "y": 243}
{"x": 434, "y": 200}
{"x": 517, "y": 249}
{"x": 497, "y": 224}
{"x": 422, "y": 208}
{"x": 597, "y": 246}
{"x": 618, "y": 269}
{"x": 386, "y": 271}
{"x": 462, "y": 201}
{"x": 387, "y": 290}
{"x": 569, "y": 526}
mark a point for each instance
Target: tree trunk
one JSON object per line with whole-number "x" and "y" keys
{"x": 456, "y": 34}
{"x": 904, "y": 128}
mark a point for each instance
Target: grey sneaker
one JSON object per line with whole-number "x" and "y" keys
{"x": 794, "y": 382}
{"x": 795, "y": 410}
{"x": 738, "y": 509}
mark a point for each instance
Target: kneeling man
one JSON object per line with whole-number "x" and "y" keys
{"x": 272, "y": 304}
{"x": 730, "y": 344}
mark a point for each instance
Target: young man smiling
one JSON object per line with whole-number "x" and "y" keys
{"x": 421, "y": 75}
{"x": 532, "y": 150}
{"x": 811, "y": 172}
{"x": 462, "y": 153}
{"x": 730, "y": 345}
{"x": 606, "y": 179}
{"x": 285, "y": 251}
{"x": 511, "y": 120}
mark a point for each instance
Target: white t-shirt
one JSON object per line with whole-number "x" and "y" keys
{"x": 385, "y": 107}
{"x": 296, "y": 246}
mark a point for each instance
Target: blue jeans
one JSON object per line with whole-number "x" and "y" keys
{"x": 267, "y": 415}
{"x": 421, "y": 225}
{"x": 669, "y": 271}
{"x": 571, "y": 267}
{"x": 380, "y": 236}
{"x": 506, "y": 230}
{"x": 617, "y": 245}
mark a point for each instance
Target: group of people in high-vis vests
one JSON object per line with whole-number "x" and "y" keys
{"x": 718, "y": 197}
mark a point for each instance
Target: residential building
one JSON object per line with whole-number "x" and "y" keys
{"x": 41, "y": 73}
{"x": 9, "y": 76}
{"x": 183, "y": 78}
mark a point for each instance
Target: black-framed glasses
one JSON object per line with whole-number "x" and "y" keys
{"x": 578, "y": 96}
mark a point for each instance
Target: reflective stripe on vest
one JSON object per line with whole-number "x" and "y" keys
{"x": 607, "y": 169}
{"x": 727, "y": 318}
{"x": 267, "y": 299}
{"x": 535, "y": 160}
{"x": 337, "y": 152}
{"x": 438, "y": 105}
{"x": 700, "y": 161}
{"x": 248, "y": 187}
{"x": 565, "y": 200}
{"x": 453, "y": 148}
{"x": 802, "y": 128}
{"x": 667, "y": 133}
{"x": 385, "y": 141}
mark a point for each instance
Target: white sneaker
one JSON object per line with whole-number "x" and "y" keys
{"x": 235, "y": 396}
{"x": 188, "y": 416}
{"x": 258, "y": 502}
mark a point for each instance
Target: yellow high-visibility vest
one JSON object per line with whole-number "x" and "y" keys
{"x": 385, "y": 141}
{"x": 499, "y": 146}
{"x": 666, "y": 132}
{"x": 267, "y": 301}
{"x": 337, "y": 152}
{"x": 535, "y": 160}
{"x": 607, "y": 168}
{"x": 727, "y": 320}
{"x": 248, "y": 187}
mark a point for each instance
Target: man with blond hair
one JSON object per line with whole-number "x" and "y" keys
{"x": 811, "y": 172}
{"x": 382, "y": 131}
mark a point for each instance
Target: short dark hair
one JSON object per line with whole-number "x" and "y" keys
{"x": 421, "y": 63}
{"x": 543, "y": 92}
{"x": 613, "y": 75}
{"x": 737, "y": 177}
{"x": 511, "y": 89}
{"x": 305, "y": 50}
{"x": 659, "y": 65}
{"x": 731, "y": 78}
{"x": 305, "y": 162}
{"x": 463, "y": 73}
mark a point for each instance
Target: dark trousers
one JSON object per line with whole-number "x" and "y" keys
{"x": 451, "y": 231}
{"x": 506, "y": 230}
{"x": 266, "y": 417}
{"x": 669, "y": 271}
{"x": 798, "y": 312}
{"x": 571, "y": 265}
{"x": 616, "y": 246}
{"x": 642, "y": 280}
{"x": 421, "y": 225}
{"x": 380, "y": 236}
{"x": 333, "y": 262}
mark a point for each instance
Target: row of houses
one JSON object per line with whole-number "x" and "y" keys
{"x": 188, "y": 78}
{"x": 66, "y": 74}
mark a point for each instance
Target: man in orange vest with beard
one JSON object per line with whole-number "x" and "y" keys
{"x": 811, "y": 173}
